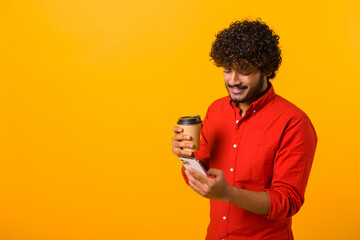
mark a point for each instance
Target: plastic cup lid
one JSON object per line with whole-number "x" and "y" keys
{"x": 189, "y": 120}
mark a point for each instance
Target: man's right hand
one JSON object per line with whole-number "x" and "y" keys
{"x": 177, "y": 143}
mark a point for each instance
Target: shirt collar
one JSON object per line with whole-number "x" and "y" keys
{"x": 260, "y": 102}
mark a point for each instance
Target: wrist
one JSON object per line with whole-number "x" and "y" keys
{"x": 228, "y": 193}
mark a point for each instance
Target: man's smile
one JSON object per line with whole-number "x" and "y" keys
{"x": 237, "y": 88}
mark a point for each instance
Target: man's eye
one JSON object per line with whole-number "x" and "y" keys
{"x": 227, "y": 71}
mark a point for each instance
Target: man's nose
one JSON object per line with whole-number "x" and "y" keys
{"x": 234, "y": 79}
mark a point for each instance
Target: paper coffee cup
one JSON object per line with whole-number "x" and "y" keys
{"x": 192, "y": 128}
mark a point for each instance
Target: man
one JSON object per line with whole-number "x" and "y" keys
{"x": 257, "y": 146}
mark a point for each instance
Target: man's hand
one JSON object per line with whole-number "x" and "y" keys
{"x": 177, "y": 143}
{"x": 214, "y": 188}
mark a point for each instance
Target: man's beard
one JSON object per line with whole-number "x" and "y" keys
{"x": 253, "y": 93}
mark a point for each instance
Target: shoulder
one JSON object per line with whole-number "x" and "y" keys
{"x": 220, "y": 103}
{"x": 285, "y": 115}
{"x": 285, "y": 108}
{"x": 218, "y": 107}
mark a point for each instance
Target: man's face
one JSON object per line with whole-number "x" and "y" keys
{"x": 244, "y": 86}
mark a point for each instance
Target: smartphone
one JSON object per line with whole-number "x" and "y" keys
{"x": 194, "y": 163}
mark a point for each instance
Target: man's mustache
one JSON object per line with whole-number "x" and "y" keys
{"x": 239, "y": 86}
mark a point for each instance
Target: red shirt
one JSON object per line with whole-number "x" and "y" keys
{"x": 270, "y": 149}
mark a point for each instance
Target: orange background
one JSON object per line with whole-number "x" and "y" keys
{"x": 89, "y": 92}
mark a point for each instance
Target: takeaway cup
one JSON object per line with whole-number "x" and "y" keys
{"x": 192, "y": 127}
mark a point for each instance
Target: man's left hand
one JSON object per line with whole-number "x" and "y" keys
{"x": 214, "y": 188}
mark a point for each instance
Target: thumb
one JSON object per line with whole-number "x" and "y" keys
{"x": 215, "y": 172}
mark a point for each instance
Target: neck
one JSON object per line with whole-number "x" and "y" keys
{"x": 245, "y": 105}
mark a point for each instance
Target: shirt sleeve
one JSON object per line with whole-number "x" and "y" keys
{"x": 291, "y": 170}
{"x": 203, "y": 154}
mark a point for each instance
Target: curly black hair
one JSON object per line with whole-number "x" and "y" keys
{"x": 247, "y": 42}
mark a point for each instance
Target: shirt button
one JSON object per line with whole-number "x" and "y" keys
{"x": 254, "y": 111}
{"x": 224, "y": 217}
{"x": 237, "y": 121}
{"x": 231, "y": 169}
{"x": 234, "y": 146}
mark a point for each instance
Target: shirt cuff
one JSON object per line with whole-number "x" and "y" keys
{"x": 283, "y": 203}
{"x": 271, "y": 211}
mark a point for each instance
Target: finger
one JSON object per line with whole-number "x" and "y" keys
{"x": 197, "y": 189}
{"x": 198, "y": 176}
{"x": 194, "y": 182}
{"x": 182, "y": 144}
{"x": 181, "y": 137}
{"x": 177, "y": 129}
{"x": 179, "y": 152}
{"x": 215, "y": 172}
